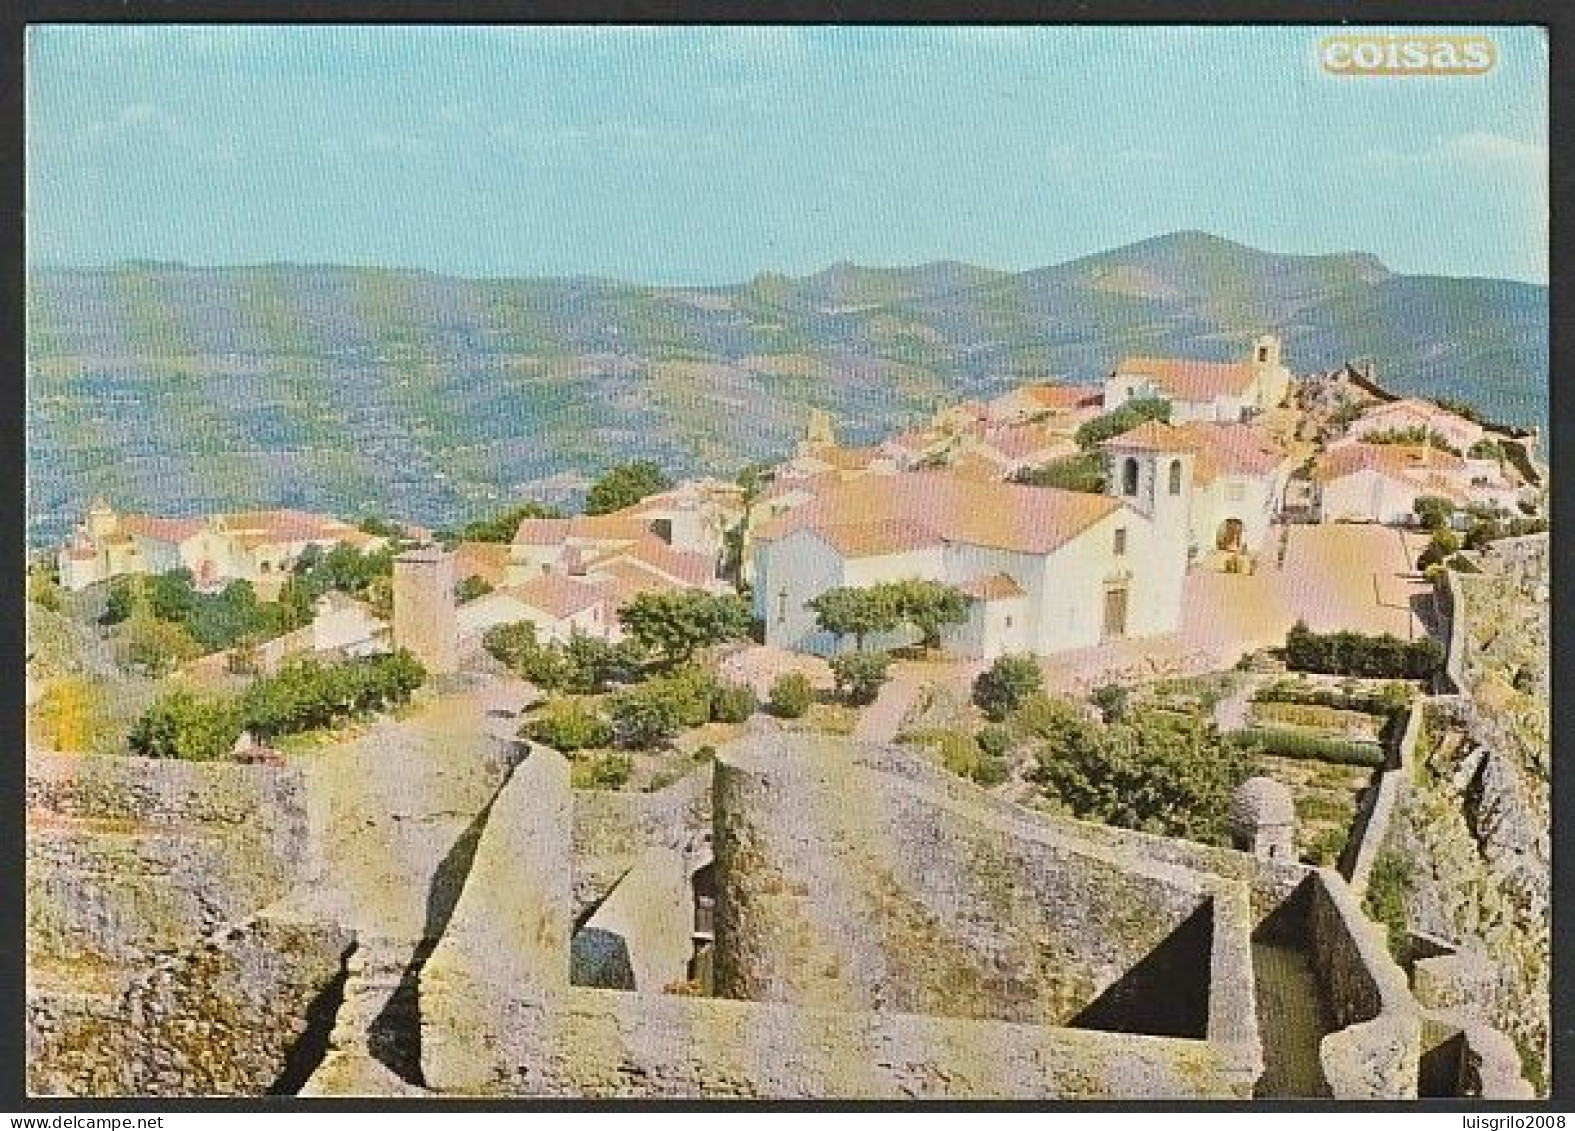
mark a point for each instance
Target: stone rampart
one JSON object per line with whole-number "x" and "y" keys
{"x": 641, "y": 937}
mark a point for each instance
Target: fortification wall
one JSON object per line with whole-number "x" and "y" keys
{"x": 507, "y": 941}
{"x": 131, "y": 856}
{"x": 607, "y": 1044}
{"x": 837, "y": 885}
{"x": 612, "y": 829}
{"x": 641, "y": 937}
{"x": 221, "y": 1019}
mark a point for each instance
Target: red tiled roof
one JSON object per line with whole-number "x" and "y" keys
{"x": 486, "y": 560}
{"x": 557, "y": 594}
{"x": 992, "y": 587}
{"x": 1396, "y": 460}
{"x": 1057, "y": 397}
{"x": 681, "y": 565}
{"x": 953, "y": 508}
{"x": 159, "y": 529}
{"x": 1188, "y": 380}
{"x": 1151, "y": 436}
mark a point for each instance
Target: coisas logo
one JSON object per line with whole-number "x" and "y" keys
{"x": 1407, "y": 54}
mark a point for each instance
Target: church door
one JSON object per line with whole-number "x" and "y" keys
{"x": 1115, "y": 613}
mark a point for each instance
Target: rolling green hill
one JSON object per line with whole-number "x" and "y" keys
{"x": 359, "y": 390}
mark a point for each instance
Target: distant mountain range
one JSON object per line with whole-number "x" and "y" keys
{"x": 357, "y": 390}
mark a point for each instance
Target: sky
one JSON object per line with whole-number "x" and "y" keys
{"x": 709, "y": 154}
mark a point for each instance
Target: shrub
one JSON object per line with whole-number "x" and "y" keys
{"x": 568, "y": 725}
{"x": 653, "y": 712}
{"x": 1287, "y": 742}
{"x": 180, "y": 725}
{"x": 1326, "y": 847}
{"x": 678, "y": 623}
{"x": 1433, "y": 511}
{"x": 791, "y": 695}
{"x": 733, "y": 703}
{"x": 605, "y": 771}
{"x": 1387, "y": 886}
{"x": 306, "y": 694}
{"x": 1111, "y": 699}
{"x": 1096, "y": 431}
{"x": 1359, "y": 654}
{"x": 1003, "y": 687}
{"x": 860, "y": 675}
{"x": 1083, "y": 472}
{"x": 990, "y": 771}
{"x": 995, "y": 741}
{"x": 625, "y": 485}
{"x": 469, "y": 588}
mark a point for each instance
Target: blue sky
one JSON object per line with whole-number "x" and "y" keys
{"x": 702, "y": 155}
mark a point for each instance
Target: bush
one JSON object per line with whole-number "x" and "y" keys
{"x": 1111, "y": 699}
{"x": 1325, "y": 849}
{"x": 678, "y": 623}
{"x": 791, "y": 696}
{"x": 568, "y": 725}
{"x": 1287, "y": 742}
{"x": 860, "y": 675}
{"x": 1096, "y": 431}
{"x": 653, "y": 712}
{"x": 1387, "y": 886}
{"x": 733, "y": 703}
{"x": 625, "y": 485}
{"x": 306, "y": 694}
{"x": 995, "y": 741}
{"x": 1394, "y": 697}
{"x": 1083, "y": 472}
{"x": 1360, "y": 654}
{"x": 180, "y": 725}
{"x": 1003, "y": 687}
{"x": 605, "y": 771}
{"x": 469, "y": 588}
{"x": 990, "y": 771}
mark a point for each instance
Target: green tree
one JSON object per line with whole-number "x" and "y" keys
{"x": 1094, "y": 432}
{"x": 180, "y": 725}
{"x": 503, "y": 526}
{"x": 677, "y": 623}
{"x": 791, "y": 695}
{"x": 379, "y": 527}
{"x": 568, "y": 725}
{"x": 591, "y": 664}
{"x": 929, "y": 606}
{"x": 469, "y": 588}
{"x": 1084, "y": 472}
{"x": 171, "y": 596}
{"x": 625, "y": 485}
{"x": 1439, "y": 548}
{"x": 1156, "y": 772}
{"x": 1433, "y": 511}
{"x": 859, "y": 676}
{"x": 1002, "y": 687}
{"x": 121, "y": 601}
{"x": 156, "y": 645}
{"x": 856, "y": 612}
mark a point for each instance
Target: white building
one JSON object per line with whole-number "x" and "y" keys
{"x": 1047, "y": 570}
{"x": 1360, "y": 482}
{"x": 1238, "y": 482}
{"x": 1205, "y": 390}
{"x": 558, "y": 605}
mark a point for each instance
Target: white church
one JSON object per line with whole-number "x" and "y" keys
{"x": 1048, "y": 570}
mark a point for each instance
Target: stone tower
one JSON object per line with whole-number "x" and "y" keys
{"x": 424, "y": 608}
{"x": 102, "y": 521}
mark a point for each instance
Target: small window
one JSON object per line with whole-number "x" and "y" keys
{"x": 1121, "y": 540}
{"x": 1008, "y": 622}
{"x": 1175, "y": 477}
{"x": 782, "y": 607}
{"x": 1263, "y": 353}
{"x": 1129, "y": 476}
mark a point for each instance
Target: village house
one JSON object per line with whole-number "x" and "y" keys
{"x": 1046, "y": 400}
{"x": 1238, "y": 483}
{"x": 342, "y": 628}
{"x": 1046, "y": 570}
{"x": 1204, "y": 390}
{"x": 255, "y": 546}
{"x": 558, "y": 605}
{"x": 1361, "y": 482}
{"x": 1413, "y": 415}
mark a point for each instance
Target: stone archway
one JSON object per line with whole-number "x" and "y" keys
{"x": 1230, "y": 536}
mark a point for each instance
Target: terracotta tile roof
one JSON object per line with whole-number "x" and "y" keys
{"x": 1395, "y": 460}
{"x": 949, "y": 507}
{"x": 685, "y": 568}
{"x": 1188, "y": 380}
{"x": 256, "y": 528}
{"x": 541, "y": 532}
{"x": 557, "y": 594}
{"x": 159, "y": 529}
{"x": 1019, "y": 441}
{"x": 486, "y": 560}
{"x": 877, "y": 538}
{"x": 1056, "y": 397}
{"x": 621, "y": 526}
{"x": 992, "y": 587}
{"x": 624, "y": 579}
{"x": 1151, "y": 436}
{"x": 1232, "y": 449}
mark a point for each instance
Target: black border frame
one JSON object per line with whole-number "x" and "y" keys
{"x": 1557, "y": 16}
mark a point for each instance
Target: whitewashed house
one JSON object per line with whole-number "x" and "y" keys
{"x": 1046, "y": 570}
{"x": 1204, "y": 390}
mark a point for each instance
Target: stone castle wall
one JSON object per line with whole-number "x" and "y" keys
{"x": 612, "y": 829}
{"x": 220, "y": 1019}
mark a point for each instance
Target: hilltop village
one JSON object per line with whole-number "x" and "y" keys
{"x": 1179, "y": 736}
